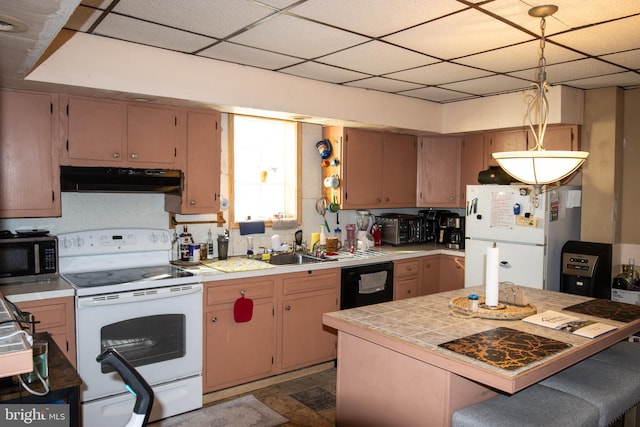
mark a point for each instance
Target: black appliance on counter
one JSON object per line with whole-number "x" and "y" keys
{"x": 451, "y": 230}
{"x": 430, "y": 225}
{"x": 366, "y": 284}
{"x": 586, "y": 269}
{"x": 400, "y": 229}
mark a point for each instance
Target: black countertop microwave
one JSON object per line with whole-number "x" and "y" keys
{"x": 28, "y": 258}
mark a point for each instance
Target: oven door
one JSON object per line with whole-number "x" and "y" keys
{"x": 159, "y": 331}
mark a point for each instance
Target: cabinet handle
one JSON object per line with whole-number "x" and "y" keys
{"x": 378, "y": 200}
{"x": 287, "y": 307}
{"x": 428, "y": 266}
{"x": 116, "y": 155}
{"x": 134, "y": 155}
{"x": 408, "y": 268}
{"x": 386, "y": 199}
{"x": 408, "y": 291}
{"x": 214, "y": 319}
{"x": 192, "y": 202}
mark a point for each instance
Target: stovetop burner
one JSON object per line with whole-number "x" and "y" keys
{"x": 127, "y": 275}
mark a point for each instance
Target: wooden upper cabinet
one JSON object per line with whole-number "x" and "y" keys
{"x": 96, "y": 130}
{"x": 362, "y": 169}
{"x": 471, "y": 163}
{"x": 509, "y": 140}
{"x": 29, "y": 172}
{"x": 399, "y": 169}
{"x": 439, "y": 172}
{"x": 565, "y": 137}
{"x": 152, "y": 135}
{"x": 201, "y": 193}
{"x": 102, "y": 132}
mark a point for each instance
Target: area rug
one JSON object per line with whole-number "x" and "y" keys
{"x": 245, "y": 411}
{"x": 316, "y": 398}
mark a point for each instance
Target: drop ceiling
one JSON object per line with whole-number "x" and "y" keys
{"x": 441, "y": 51}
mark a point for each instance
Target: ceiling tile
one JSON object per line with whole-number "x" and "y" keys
{"x": 248, "y": 56}
{"x": 458, "y": 35}
{"x": 630, "y": 59}
{"x": 605, "y": 38}
{"x": 488, "y": 85}
{"x": 375, "y": 18}
{"x": 83, "y": 18}
{"x": 383, "y": 84}
{"x": 326, "y": 73}
{"x": 121, "y": 27}
{"x": 436, "y": 94}
{"x": 442, "y": 72}
{"x": 516, "y": 57}
{"x": 217, "y": 18}
{"x": 571, "y": 71}
{"x": 628, "y": 79}
{"x": 377, "y": 58}
{"x": 296, "y": 37}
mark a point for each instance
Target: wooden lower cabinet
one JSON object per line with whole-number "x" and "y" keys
{"x": 451, "y": 273}
{"x": 57, "y": 317}
{"x": 235, "y": 353}
{"x": 407, "y": 278}
{"x": 284, "y": 333}
{"x": 303, "y": 339}
{"x": 441, "y": 273}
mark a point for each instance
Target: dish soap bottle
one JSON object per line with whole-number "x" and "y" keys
{"x": 209, "y": 245}
{"x": 323, "y": 239}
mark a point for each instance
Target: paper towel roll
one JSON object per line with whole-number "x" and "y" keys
{"x": 491, "y": 277}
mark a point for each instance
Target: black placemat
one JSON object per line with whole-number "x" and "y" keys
{"x": 607, "y": 309}
{"x": 505, "y": 348}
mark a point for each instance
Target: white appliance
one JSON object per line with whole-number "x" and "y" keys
{"x": 529, "y": 230}
{"x": 130, "y": 298}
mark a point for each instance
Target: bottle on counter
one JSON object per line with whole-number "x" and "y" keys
{"x": 175, "y": 246}
{"x": 210, "y": 247}
{"x": 185, "y": 240}
{"x": 323, "y": 239}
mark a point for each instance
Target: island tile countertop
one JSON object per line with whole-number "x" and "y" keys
{"x": 418, "y": 326}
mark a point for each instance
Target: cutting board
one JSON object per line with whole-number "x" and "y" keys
{"x": 233, "y": 265}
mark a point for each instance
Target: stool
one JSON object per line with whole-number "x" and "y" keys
{"x": 612, "y": 389}
{"x": 625, "y": 354}
{"x": 534, "y": 406}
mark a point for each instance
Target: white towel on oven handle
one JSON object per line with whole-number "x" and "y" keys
{"x": 372, "y": 282}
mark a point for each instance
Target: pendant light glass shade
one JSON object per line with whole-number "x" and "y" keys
{"x": 539, "y": 166}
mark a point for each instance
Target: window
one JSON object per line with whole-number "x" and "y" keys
{"x": 264, "y": 168}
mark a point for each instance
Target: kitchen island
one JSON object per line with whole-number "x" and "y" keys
{"x": 393, "y": 371}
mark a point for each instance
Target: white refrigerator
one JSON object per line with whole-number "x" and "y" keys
{"x": 529, "y": 230}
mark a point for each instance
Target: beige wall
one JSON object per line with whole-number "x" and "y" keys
{"x": 631, "y": 170}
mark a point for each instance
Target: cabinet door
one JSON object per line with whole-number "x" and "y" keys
{"x": 430, "y": 275}
{"x": 304, "y": 340}
{"x": 512, "y": 140}
{"x": 151, "y": 135}
{"x": 96, "y": 132}
{"x": 439, "y": 172}
{"x": 406, "y": 288}
{"x": 236, "y": 353}
{"x": 557, "y": 138}
{"x": 362, "y": 168}
{"x": 399, "y": 169}
{"x": 29, "y": 172}
{"x": 407, "y": 278}
{"x": 55, "y": 316}
{"x": 202, "y": 171}
{"x": 471, "y": 163}
{"x": 451, "y": 273}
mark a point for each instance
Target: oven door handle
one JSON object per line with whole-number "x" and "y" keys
{"x": 138, "y": 296}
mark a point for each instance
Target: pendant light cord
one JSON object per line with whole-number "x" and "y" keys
{"x": 540, "y": 98}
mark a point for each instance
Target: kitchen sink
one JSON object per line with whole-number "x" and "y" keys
{"x": 285, "y": 259}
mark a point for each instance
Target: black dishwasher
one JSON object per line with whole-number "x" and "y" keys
{"x": 366, "y": 284}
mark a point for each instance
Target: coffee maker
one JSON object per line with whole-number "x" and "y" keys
{"x": 430, "y": 225}
{"x": 452, "y": 231}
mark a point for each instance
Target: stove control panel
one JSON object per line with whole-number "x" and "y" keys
{"x": 111, "y": 241}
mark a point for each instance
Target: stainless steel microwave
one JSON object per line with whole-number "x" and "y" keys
{"x": 399, "y": 229}
{"x": 28, "y": 258}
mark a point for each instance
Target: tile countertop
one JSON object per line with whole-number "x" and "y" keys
{"x": 417, "y": 326}
{"x": 58, "y": 287}
{"x": 375, "y": 255}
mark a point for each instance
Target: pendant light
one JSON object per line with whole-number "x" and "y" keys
{"x": 538, "y": 166}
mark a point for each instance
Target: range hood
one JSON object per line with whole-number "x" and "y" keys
{"x": 120, "y": 180}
